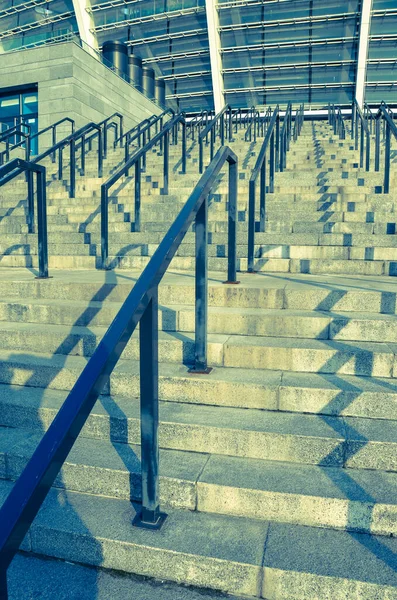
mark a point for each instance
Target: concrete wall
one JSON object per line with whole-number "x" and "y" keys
{"x": 72, "y": 83}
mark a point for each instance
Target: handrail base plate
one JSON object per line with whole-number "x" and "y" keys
{"x": 194, "y": 371}
{"x": 138, "y": 522}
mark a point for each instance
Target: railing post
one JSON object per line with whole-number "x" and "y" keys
{"x": 72, "y": 190}
{"x": 183, "y": 148}
{"x": 230, "y": 126}
{"x": 251, "y": 226}
{"x": 386, "y": 185}
{"x": 200, "y": 361}
{"x": 165, "y": 163}
{"x": 104, "y": 227}
{"x": 361, "y": 144}
{"x": 212, "y": 144}
{"x": 82, "y": 154}
{"x": 232, "y": 223}
{"x": 150, "y": 517}
{"x": 144, "y": 156}
{"x": 54, "y": 141}
{"x": 42, "y": 224}
{"x": 31, "y": 225}
{"x": 271, "y": 164}
{"x": 354, "y": 116}
{"x": 121, "y": 131}
{"x": 105, "y": 140}
{"x": 201, "y": 157}
{"x": 3, "y": 585}
{"x": 27, "y": 149}
{"x": 100, "y": 155}
{"x": 377, "y": 144}
{"x": 137, "y": 196}
{"x": 278, "y": 142}
{"x": 60, "y": 164}
{"x": 262, "y": 198}
{"x": 368, "y": 152}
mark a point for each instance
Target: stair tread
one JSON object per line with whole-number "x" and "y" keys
{"x": 34, "y": 577}
{"x": 206, "y": 548}
{"x": 216, "y": 417}
{"x": 358, "y": 485}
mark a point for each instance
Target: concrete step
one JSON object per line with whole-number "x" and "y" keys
{"x": 318, "y": 324}
{"x": 259, "y": 489}
{"x": 36, "y": 577}
{"x": 236, "y": 560}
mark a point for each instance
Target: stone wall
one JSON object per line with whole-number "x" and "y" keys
{"x": 72, "y": 83}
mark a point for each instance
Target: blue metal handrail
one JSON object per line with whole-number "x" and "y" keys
{"x": 197, "y": 120}
{"x": 360, "y": 130}
{"x": 71, "y": 141}
{"x": 276, "y": 142}
{"x": 12, "y": 131}
{"x": 218, "y": 120}
{"x": 369, "y": 116}
{"x": 137, "y": 160}
{"x": 9, "y": 148}
{"x": 272, "y": 139}
{"x": 53, "y": 129}
{"x": 15, "y": 168}
{"x": 141, "y": 306}
{"x": 389, "y": 129}
{"x": 253, "y": 125}
{"x": 285, "y": 138}
{"x": 299, "y": 119}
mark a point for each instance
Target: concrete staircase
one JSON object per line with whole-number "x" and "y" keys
{"x": 325, "y": 216}
{"x": 279, "y": 469}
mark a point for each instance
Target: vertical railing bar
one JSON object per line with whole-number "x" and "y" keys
{"x": 166, "y": 163}
{"x": 72, "y": 174}
{"x": 377, "y": 145}
{"x": 386, "y": 187}
{"x": 251, "y": 226}
{"x": 232, "y": 223}
{"x": 104, "y": 227}
{"x": 201, "y": 285}
{"x": 262, "y": 197}
{"x": 137, "y": 196}
{"x": 42, "y": 224}
{"x": 184, "y": 148}
{"x": 150, "y": 516}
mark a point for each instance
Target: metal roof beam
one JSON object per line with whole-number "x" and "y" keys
{"x": 363, "y": 45}
{"x": 86, "y": 25}
{"x": 214, "y": 41}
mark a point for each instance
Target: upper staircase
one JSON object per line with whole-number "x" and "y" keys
{"x": 278, "y": 470}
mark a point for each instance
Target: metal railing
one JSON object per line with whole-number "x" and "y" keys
{"x": 390, "y": 128}
{"x": 270, "y": 142}
{"x": 107, "y": 124}
{"x": 276, "y": 145}
{"x": 5, "y": 155}
{"x": 141, "y": 306}
{"x": 335, "y": 119}
{"x": 361, "y": 134}
{"x": 12, "y": 131}
{"x": 51, "y": 128}
{"x": 142, "y": 132}
{"x": 71, "y": 142}
{"x": 15, "y": 168}
{"x": 369, "y": 117}
{"x": 137, "y": 161}
{"x": 298, "y": 122}
{"x": 214, "y": 128}
{"x": 199, "y": 120}
{"x": 285, "y": 139}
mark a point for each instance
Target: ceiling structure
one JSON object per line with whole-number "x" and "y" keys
{"x": 247, "y": 52}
